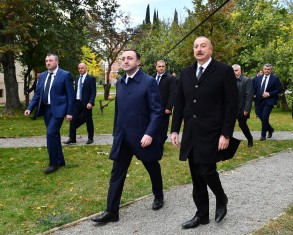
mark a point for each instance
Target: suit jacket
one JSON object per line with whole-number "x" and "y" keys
{"x": 208, "y": 108}
{"x": 138, "y": 111}
{"x": 273, "y": 87}
{"x": 89, "y": 89}
{"x": 61, "y": 93}
{"x": 167, "y": 88}
{"x": 246, "y": 92}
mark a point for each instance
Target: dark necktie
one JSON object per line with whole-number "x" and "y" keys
{"x": 46, "y": 90}
{"x": 199, "y": 73}
{"x": 263, "y": 85}
{"x": 158, "y": 79}
{"x": 80, "y": 87}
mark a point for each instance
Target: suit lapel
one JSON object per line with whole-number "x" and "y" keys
{"x": 207, "y": 71}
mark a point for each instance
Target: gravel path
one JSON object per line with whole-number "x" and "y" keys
{"x": 107, "y": 139}
{"x": 258, "y": 192}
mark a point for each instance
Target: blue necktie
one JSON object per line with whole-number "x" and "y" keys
{"x": 80, "y": 87}
{"x": 158, "y": 79}
{"x": 46, "y": 90}
{"x": 263, "y": 85}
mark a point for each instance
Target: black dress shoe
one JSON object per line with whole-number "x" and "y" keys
{"x": 61, "y": 164}
{"x": 70, "y": 141}
{"x": 89, "y": 142}
{"x": 270, "y": 134}
{"x": 262, "y": 138}
{"x": 250, "y": 143}
{"x": 194, "y": 222}
{"x": 158, "y": 204}
{"x": 51, "y": 169}
{"x": 106, "y": 217}
{"x": 221, "y": 210}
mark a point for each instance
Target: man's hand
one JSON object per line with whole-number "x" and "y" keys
{"x": 175, "y": 139}
{"x": 68, "y": 118}
{"x": 168, "y": 112}
{"x": 265, "y": 94}
{"x": 223, "y": 143}
{"x": 146, "y": 141}
{"x": 89, "y": 106}
{"x": 27, "y": 112}
{"x": 245, "y": 113}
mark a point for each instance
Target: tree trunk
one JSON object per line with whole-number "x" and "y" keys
{"x": 11, "y": 85}
{"x": 107, "y": 87}
{"x": 10, "y": 82}
{"x": 283, "y": 102}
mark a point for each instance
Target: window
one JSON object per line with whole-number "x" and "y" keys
{"x": 1, "y": 93}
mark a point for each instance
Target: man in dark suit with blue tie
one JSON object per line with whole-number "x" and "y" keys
{"x": 137, "y": 123}
{"x": 167, "y": 87}
{"x": 54, "y": 99}
{"x": 266, "y": 90}
{"x": 85, "y": 88}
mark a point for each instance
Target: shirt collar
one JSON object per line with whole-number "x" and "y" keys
{"x": 205, "y": 65}
{"x": 54, "y": 71}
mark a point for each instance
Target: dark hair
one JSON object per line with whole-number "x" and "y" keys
{"x": 135, "y": 51}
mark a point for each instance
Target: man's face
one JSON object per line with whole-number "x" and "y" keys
{"x": 203, "y": 49}
{"x": 237, "y": 72}
{"x": 51, "y": 63}
{"x": 267, "y": 70}
{"x": 81, "y": 69}
{"x": 160, "y": 67}
{"x": 130, "y": 63}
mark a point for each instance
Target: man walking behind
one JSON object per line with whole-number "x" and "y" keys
{"x": 246, "y": 92}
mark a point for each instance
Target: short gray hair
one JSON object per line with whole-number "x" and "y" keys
{"x": 268, "y": 65}
{"x": 236, "y": 66}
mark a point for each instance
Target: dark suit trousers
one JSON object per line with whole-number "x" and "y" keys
{"x": 264, "y": 114}
{"x": 164, "y": 129}
{"x": 54, "y": 146}
{"x": 204, "y": 175}
{"x": 74, "y": 124}
{"x": 242, "y": 121}
{"x": 118, "y": 176}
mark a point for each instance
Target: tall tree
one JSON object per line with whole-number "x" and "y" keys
{"x": 110, "y": 33}
{"x": 147, "y": 15}
{"x": 13, "y": 22}
{"x": 175, "y": 19}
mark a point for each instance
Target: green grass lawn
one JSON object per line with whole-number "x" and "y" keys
{"x": 20, "y": 125}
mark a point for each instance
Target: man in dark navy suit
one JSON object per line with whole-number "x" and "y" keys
{"x": 266, "y": 91}
{"x": 85, "y": 88}
{"x": 137, "y": 122}
{"x": 54, "y": 99}
{"x": 167, "y": 87}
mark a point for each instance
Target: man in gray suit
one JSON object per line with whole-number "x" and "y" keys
{"x": 246, "y": 91}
